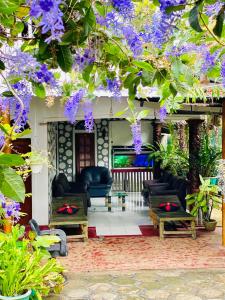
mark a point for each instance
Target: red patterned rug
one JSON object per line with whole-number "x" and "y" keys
{"x": 146, "y": 252}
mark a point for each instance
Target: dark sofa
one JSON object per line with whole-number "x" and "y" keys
{"x": 167, "y": 184}
{"x": 97, "y": 179}
{"x": 61, "y": 187}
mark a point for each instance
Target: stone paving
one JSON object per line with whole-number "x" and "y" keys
{"x": 207, "y": 284}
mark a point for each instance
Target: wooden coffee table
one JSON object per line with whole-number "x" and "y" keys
{"x": 121, "y": 197}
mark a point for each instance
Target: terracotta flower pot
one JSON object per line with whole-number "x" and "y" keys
{"x": 210, "y": 225}
{"x": 25, "y": 296}
{"x": 7, "y": 225}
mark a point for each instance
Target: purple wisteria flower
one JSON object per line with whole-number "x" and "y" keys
{"x": 163, "y": 23}
{"x": 88, "y": 116}
{"x": 2, "y": 138}
{"x": 137, "y": 138}
{"x": 213, "y": 9}
{"x": 85, "y": 59}
{"x": 114, "y": 86}
{"x": 51, "y": 17}
{"x": 43, "y": 75}
{"x": 124, "y": 7}
{"x": 209, "y": 61}
{"x": 162, "y": 113}
{"x": 24, "y": 92}
{"x": 11, "y": 208}
{"x": 112, "y": 20}
{"x": 72, "y": 105}
{"x": 133, "y": 40}
{"x": 222, "y": 71}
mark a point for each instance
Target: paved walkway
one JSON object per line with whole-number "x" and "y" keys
{"x": 152, "y": 285}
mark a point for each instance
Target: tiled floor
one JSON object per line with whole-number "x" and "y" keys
{"x": 118, "y": 222}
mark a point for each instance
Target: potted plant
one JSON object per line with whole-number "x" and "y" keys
{"x": 205, "y": 200}
{"x": 25, "y": 272}
{"x": 36, "y": 160}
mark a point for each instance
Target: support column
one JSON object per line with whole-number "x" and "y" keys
{"x": 157, "y": 129}
{"x": 194, "y": 151}
{"x": 181, "y": 135}
{"x": 223, "y": 157}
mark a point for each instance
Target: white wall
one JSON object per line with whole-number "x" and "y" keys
{"x": 120, "y": 133}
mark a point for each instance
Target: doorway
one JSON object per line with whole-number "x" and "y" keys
{"x": 84, "y": 151}
{"x": 23, "y": 146}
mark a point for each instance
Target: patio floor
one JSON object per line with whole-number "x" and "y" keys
{"x": 146, "y": 253}
{"x": 151, "y": 285}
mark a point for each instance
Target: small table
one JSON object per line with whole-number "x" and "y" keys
{"x": 121, "y": 197}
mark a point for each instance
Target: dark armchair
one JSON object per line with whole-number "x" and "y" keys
{"x": 61, "y": 187}
{"x": 97, "y": 179}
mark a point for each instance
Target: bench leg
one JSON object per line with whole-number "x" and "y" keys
{"x": 161, "y": 230}
{"x": 193, "y": 229}
{"x": 84, "y": 230}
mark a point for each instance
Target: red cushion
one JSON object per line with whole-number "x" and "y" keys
{"x": 169, "y": 206}
{"x": 68, "y": 209}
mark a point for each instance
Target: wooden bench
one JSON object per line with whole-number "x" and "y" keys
{"x": 159, "y": 217}
{"x": 64, "y": 220}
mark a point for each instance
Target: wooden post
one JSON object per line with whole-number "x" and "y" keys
{"x": 223, "y": 157}
{"x": 194, "y": 149}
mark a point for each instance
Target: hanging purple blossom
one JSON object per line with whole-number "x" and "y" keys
{"x": 11, "y": 208}
{"x": 114, "y": 86}
{"x": 85, "y": 60}
{"x": 209, "y": 61}
{"x": 124, "y": 7}
{"x": 43, "y": 75}
{"x": 162, "y": 113}
{"x": 222, "y": 71}
{"x": 2, "y": 138}
{"x": 24, "y": 92}
{"x": 88, "y": 116}
{"x": 51, "y": 17}
{"x": 213, "y": 9}
{"x": 72, "y": 105}
{"x": 112, "y": 20}
{"x": 163, "y": 23}
{"x": 137, "y": 138}
{"x": 133, "y": 40}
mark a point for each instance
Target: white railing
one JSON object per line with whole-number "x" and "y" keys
{"x": 130, "y": 180}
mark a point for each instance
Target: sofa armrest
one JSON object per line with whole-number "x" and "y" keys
{"x": 164, "y": 192}
{"x": 77, "y": 187}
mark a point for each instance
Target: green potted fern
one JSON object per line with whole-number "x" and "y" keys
{"x": 205, "y": 200}
{"x": 25, "y": 271}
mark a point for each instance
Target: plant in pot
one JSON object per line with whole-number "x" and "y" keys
{"x": 25, "y": 272}
{"x": 204, "y": 201}
{"x": 36, "y": 160}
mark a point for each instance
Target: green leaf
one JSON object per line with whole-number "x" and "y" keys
{"x": 9, "y": 6}
{"x": 174, "y": 8}
{"x": 11, "y": 184}
{"x": 8, "y": 94}
{"x": 193, "y": 18}
{"x": 11, "y": 160}
{"x": 64, "y": 58}
{"x": 17, "y": 28}
{"x": 143, "y": 114}
{"x": 218, "y": 29}
{"x": 86, "y": 72}
{"x": 143, "y": 65}
{"x": 2, "y": 65}
{"x": 39, "y": 90}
